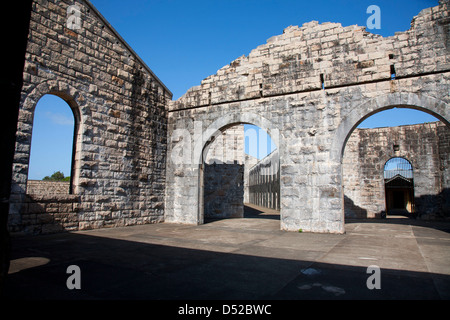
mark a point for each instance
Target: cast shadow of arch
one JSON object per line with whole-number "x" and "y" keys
{"x": 254, "y": 212}
{"x": 353, "y": 211}
{"x": 45, "y": 207}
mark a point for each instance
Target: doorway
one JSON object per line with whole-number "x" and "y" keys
{"x": 399, "y": 187}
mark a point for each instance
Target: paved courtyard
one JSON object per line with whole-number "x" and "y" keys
{"x": 247, "y": 258}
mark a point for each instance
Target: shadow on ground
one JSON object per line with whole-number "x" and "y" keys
{"x": 119, "y": 269}
{"x": 253, "y": 211}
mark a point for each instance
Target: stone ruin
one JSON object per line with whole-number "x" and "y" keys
{"x": 139, "y": 157}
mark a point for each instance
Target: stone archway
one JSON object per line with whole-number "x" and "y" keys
{"x": 188, "y": 171}
{"x": 349, "y": 122}
{"x": 24, "y": 136}
{"x": 426, "y": 104}
{"x": 25, "y": 124}
{"x": 122, "y": 116}
{"x": 230, "y": 171}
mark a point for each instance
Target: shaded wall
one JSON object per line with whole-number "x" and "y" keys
{"x": 14, "y": 30}
{"x": 224, "y": 191}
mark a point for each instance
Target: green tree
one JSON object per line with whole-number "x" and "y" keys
{"x": 56, "y": 176}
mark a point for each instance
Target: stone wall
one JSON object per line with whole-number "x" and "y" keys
{"x": 309, "y": 88}
{"x": 49, "y": 213}
{"x": 329, "y": 54}
{"x": 425, "y": 146}
{"x": 47, "y": 187}
{"x": 120, "y": 117}
{"x": 444, "y": 159}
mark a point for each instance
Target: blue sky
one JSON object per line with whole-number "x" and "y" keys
{"x": 52, "y": 138}
{"x": 184, "y": 42}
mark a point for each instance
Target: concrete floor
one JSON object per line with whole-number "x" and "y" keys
{"x": 247, "y": 258}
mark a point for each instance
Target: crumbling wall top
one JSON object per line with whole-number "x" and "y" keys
{"x": 327, "y": 55}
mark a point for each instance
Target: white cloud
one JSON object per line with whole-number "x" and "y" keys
{"x": 60, "y": 119}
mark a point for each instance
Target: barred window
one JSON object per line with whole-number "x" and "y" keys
{"x": 398, "y": 167}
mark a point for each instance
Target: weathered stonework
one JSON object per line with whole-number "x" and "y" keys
{"x": 49, "y": 213}
{"x": 309, "y": 88}
{"x": 120, "y": 120}
{"x": 425, "y": 146}
{"x": 47, "y": 187}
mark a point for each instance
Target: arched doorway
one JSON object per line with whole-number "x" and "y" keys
{"x": 54, "y": 139}
{"x": 52, "y": 146}
{"x": 191, "y": 173}
{"x": 43, "y": 196}
{"x": 231, "y": 176}
{"x": 399, "y": 187}
{"x": 423, "y": 199}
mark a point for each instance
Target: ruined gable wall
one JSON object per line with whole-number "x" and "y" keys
{"x": 298, "y": 59}
{"x": 278, "y": 87}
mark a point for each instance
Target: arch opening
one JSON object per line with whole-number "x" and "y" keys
{"x": 53, "y": 146}
{"x": 399, "y": 187}
{"x": 360, "y": 120}
{"x": 378, "y": 159}
{"x": 239, "y": 174}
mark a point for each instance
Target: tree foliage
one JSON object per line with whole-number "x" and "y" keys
{"x": 56, "y": 176}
